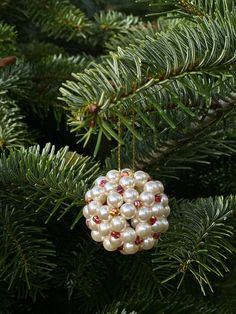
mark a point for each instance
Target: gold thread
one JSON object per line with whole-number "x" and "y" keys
{"x": 119, "y": 146}
{"x": 133, "y": 142}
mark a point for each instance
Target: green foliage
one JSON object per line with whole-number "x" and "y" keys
{"x": 59, "y": 19}
{"x": 7, "y": 39}
{"x": 168, "y": 79}
{"x": 25, "y": 257}
{"x": 13, "y": 131}
{"x": 199, "y": 243}
{"x": 130, "y": 74}
{"x": 55, "y": 182}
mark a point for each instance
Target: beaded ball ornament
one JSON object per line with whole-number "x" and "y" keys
{"x": 126, "y": 211}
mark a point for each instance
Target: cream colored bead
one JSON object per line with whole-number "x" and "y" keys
{"x": 110, "y": 186}
{"x": 144, "y": 214}
{"x": 128, "y": 211}
{"x": 161, "y": 186}
{"x": 128, "y": 235}
{"x": 96, "y": 236}
{"x": 152, "y": 187}
{"x": 160, "y": 226}
{"x": 108, "y": 245}
{"x": 104, "y": 228}
{"x": 94, "y": 207}
{"x": 127, "y": 182}
{"x": 143, "y": 229}
{"x": 147, "y": 198}
{"x": 113, "y": 175}
{"x": 164, "y": 200}
{"x": 134, "y": 222}
{"x": 104, "y": 212}
{"x": 140, "y": 178}
{"x": 100, "y": 179}
{"x": 98, "y": 194}
{"x": 130, "y": 195}
{"x": 130, "y": 248}
{"x": 88, "y": 196}
{"x": 86, "y": 212}
{"x": 118, "y": 223}
{"x": 166, "y": 211}
{"x": 148, "y": 243}
{"x": 91, "y": 224}
{"x": 157, "y": 210}
{"x": 116, "y": 242}
{"x": 114, "y": 199}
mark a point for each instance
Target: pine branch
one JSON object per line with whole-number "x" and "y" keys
{"x": 25, "y": 254}
{"x": 52, "y": 182}
{"x": 59, "y": 19}
{"x": 13, "y": 131}
{"x": 129, "y": 73}
{"x": 198, "y": 242}
{"x": 7, "y": 40}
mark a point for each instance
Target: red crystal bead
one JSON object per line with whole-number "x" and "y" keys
{"x": 152, "y": 220}
{"x": 115, "y": 234}
{"x": 102, "y": 183}
{"x": 120, "y": 189}
{"x": 138, "y": 240}
{"x": 97, "y": 220}
{"x": 137, "y": 204}
{"x": 157, "y": 198}
{"x": 156, "y": 236}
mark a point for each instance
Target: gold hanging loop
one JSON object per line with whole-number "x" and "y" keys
{"x": 119, "y": 146}
{"x": 133, "y": 142}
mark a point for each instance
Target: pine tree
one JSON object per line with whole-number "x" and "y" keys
{"x": 80, "y": 80}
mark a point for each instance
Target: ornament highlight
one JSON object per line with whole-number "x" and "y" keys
{"x": 126, "y": 211}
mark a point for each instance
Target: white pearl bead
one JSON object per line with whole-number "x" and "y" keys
{"x": 147, "y": 198}
{"x": 114, "y": 199}
{"x": 152, "y": 187}
{"x": 127, "y": 182}
{"x": 144, "y": 213}
{"x": 110, "y": 186}
{"x": 108, "y": 245}
{"x": 134, "y": 222}
{"x": 91, "y": 224}
{"x": 128, "y": 210}
{"x": 104, "y": 212}
{"x": 140, "y": 178}
{"x": 104, "y": 228}
{"x": 88, "y": 196}
{"x": 128, "y": 235}
{"x": 86, "y": 212}
{"x": 160, "y": 226}
{"x": 94, "y": 207}
{"x": 157, "y": 210}
{"x": 118, "y": 223}
{"x": 148, "y": 243}
{"x": 113, "y": 175}
{"x": 164, "y": 200}
{"x": 130, "y": 195}
{"x": 99, "y": 180}
{"x": 130, "y": 248}
{"x": 96, "y": 236}
{"x": 143, "y": 229}
{"x": 161, "y": 186}
{"x": 98, "y": 194}
{"x": 166, "y": 211}
{"x": 116, "y": 242}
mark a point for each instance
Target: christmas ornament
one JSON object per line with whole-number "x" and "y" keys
{"x": 126, "y": 211}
